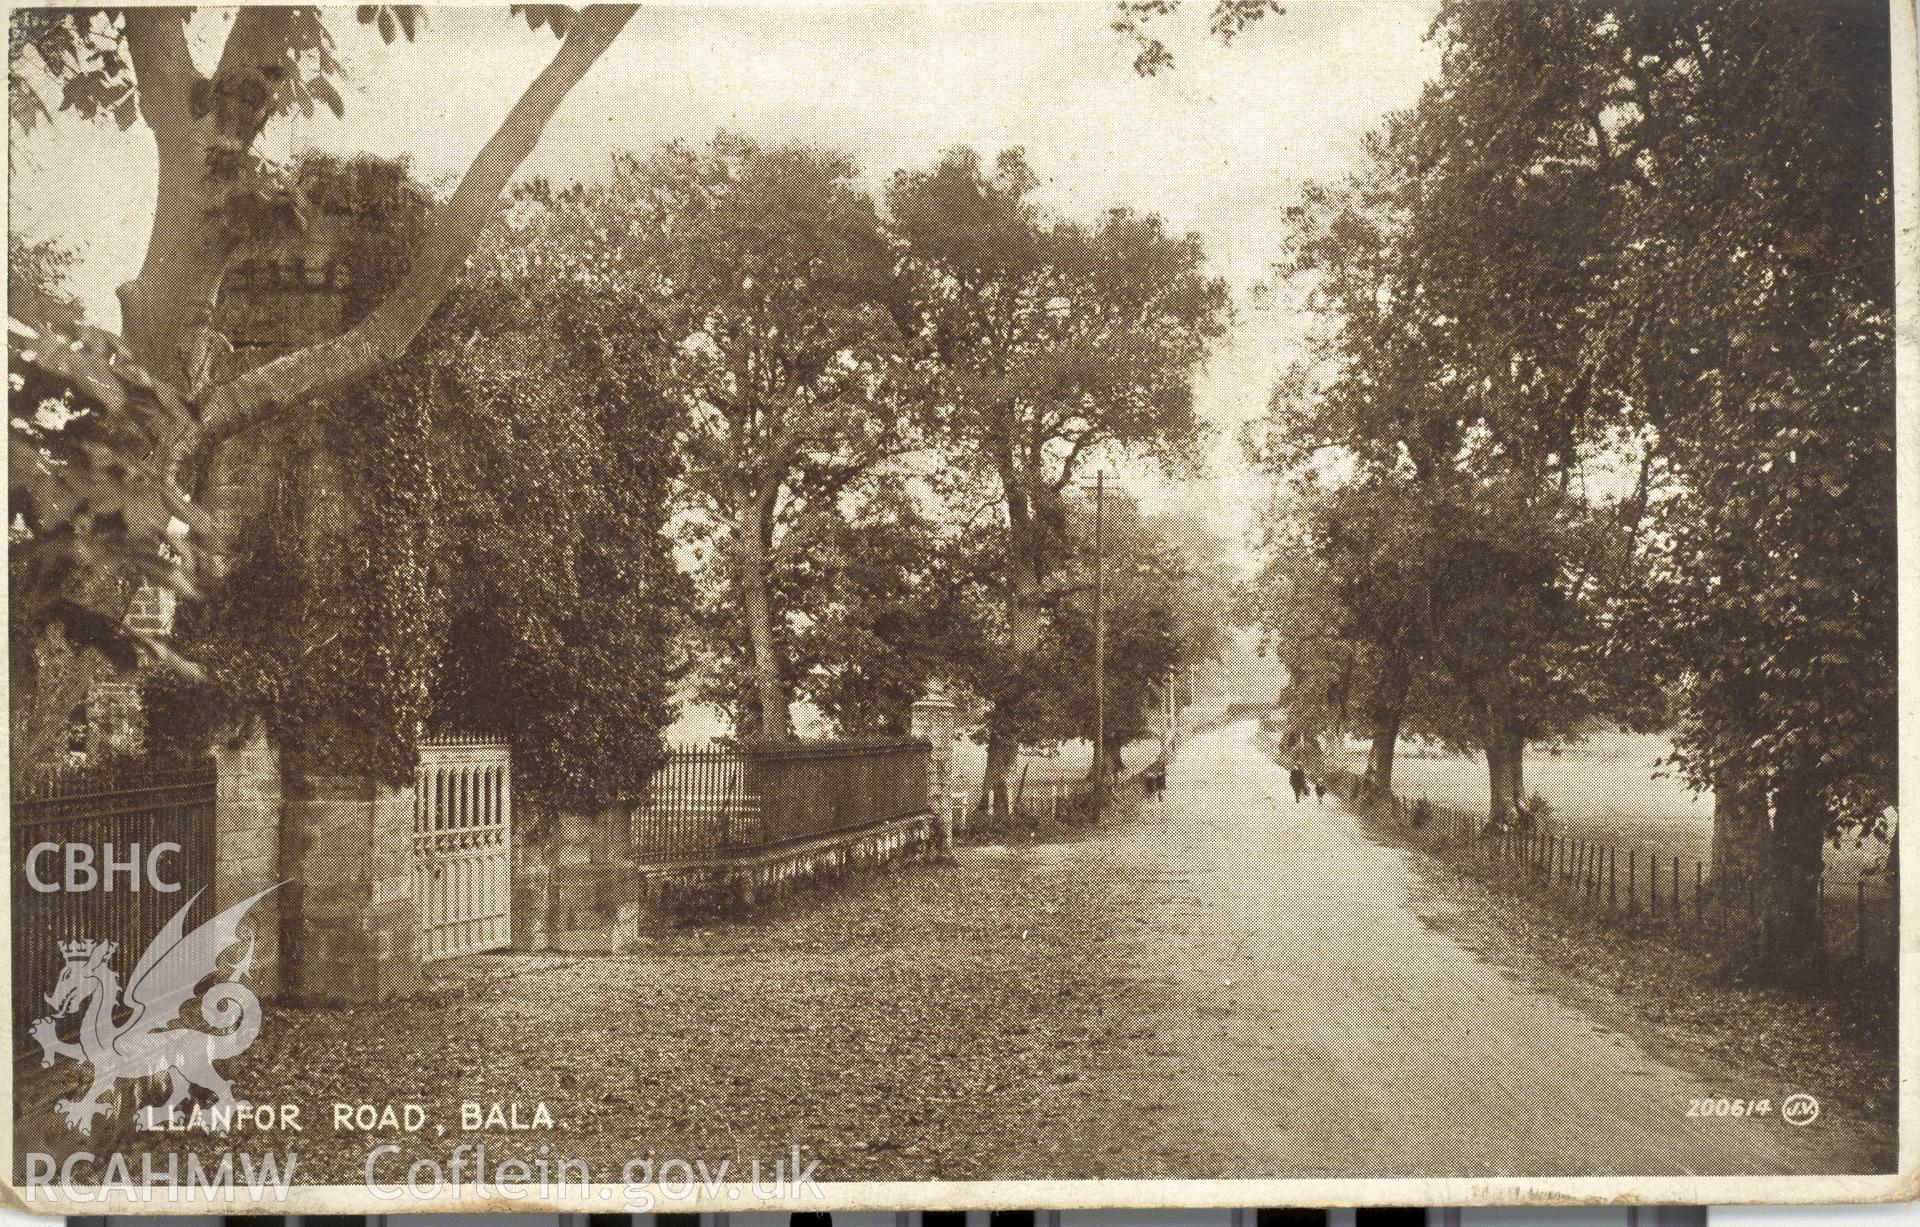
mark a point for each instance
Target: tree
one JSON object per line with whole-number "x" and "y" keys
{"x": 1755, "y": 325}
{"x": 1340, "y": 599}
{"x": 84, "y": 493}
{"x": 215, "y": 195}
{"x": 768, "y": 275}
{"x": 1166, "y": 599}
{"x": 1056, "y": 341}
{"x": 1439, "y": 436}
{"x": 1662, "y": 235}
{"x": 1733, "y": 160}
{"x": 895, "y": 594}
{"x": 563, "y": 601}
{"x": 1227, "y": 18}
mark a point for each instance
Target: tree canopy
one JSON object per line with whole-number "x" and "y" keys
{"x": 767, "y": 275}
{"x": 1057, "y": 342}
{"x": 1612, "y": 302}
{"x": 86, "y": 494}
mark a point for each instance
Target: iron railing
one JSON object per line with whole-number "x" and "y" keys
{"x": 698, "y": 801}
{"x": 120, "y": 814}
{"x": 733, "y": 798}
{"x": 808, "y": 789}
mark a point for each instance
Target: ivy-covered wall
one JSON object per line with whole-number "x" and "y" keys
{"x": 472, "y": 540}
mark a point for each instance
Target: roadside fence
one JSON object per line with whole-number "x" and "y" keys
{"x": 120, "y": 813}
{"x": 1859, "y": 915}
{"x": 711, "y": 800}
{"x": 1056, "y": 801}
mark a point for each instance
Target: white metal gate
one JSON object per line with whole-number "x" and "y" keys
{"x": 463, "y": 846}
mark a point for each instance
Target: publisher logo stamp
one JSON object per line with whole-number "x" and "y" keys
{"x": 1800, "y": 1109}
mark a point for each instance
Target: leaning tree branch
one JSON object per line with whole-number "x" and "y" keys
{"x": 258, "y": 38}
{"x": 157, "y": 47}
{"x": 452, "y": 236}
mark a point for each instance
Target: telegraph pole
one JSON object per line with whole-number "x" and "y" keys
{"x": 1099, "y": 645}
{"x": 1170, "y": 712}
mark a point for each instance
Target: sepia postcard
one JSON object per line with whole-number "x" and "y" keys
{"x": 861, "y": 605}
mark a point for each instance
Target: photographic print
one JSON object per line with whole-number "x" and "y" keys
{"x": 850, "y": 605}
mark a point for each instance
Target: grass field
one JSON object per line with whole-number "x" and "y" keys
{"x": 1607, "y": 788}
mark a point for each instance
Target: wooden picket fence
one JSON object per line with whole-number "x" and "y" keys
{"x": 1052, "y": 802}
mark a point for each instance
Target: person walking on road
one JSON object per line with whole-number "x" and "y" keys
{"x": 1298, "y": 779}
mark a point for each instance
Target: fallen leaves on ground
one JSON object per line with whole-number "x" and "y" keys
{"x": 935, "y": 1022}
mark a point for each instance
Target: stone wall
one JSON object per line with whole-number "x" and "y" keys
{"x": 573, "y": 882}
{"x": 246, "y": 848}
{"x": 349, "y": 929}
{"x": 577, "y": 887}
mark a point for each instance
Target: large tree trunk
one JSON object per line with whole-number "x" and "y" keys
{"x": 1113, "y": 756}
{"x": 1023, "y": 635}
{"x": 1505, "y": 750}
{"x": 1792, "y": 941}
{"x": 1741, "y": 841}
{"x": 1003, "y": 753}
{"x": 166, "y": 312}
{"x": 1517, "y": 766}
{"x": 1505, "y": 746}
{"x": 1389, "y": 708}
{"x": 1386, "y": 739}
{"x": 753, "y": 563}
{"x": 1499, "y": 782}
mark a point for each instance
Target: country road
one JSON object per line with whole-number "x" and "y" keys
{"x": 1329, "y": 1024}
{"x": 1223, "y": 984}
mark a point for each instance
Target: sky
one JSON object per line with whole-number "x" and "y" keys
{"x": 1218, "y": 145}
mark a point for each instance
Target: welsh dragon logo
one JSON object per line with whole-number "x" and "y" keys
{"x": 140, "y": 1034}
